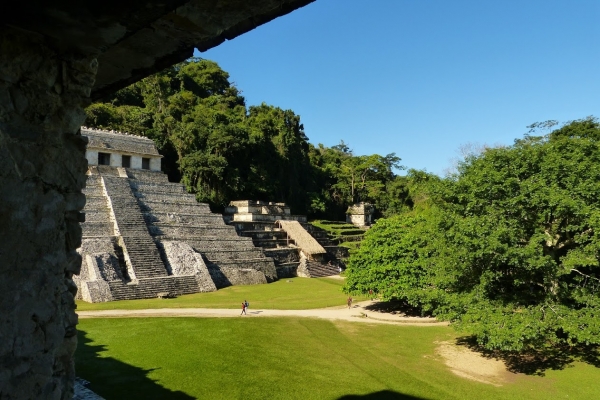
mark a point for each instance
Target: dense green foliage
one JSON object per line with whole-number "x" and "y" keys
{"x": 290, "y": 358}
{"x": 222, "y": 150}
{"x": 509, "y": 247}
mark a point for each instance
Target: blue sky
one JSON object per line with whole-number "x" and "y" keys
{"x": 421, "y": 78}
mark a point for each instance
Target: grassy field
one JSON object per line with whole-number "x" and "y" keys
{"x": 285, "y": 294}
{"x": 291, "y": 358}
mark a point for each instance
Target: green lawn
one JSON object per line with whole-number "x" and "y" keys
{"x": 290, "y": 358}
{"x": 285, "y": 294}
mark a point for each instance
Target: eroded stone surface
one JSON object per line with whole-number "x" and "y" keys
{"x": 227, "y": 276}
{"x": 83, "y": 393}
{"x": 183, "y": 260}
{"x": 42, "y": 171}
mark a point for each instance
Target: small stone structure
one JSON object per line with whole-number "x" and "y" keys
{"x": 144, "y": 236}
{"x": 259, "y": 211}
{"x": 360, "y": 214}
{"x": 118, "y": 149}
{"x": 266, "y": 224}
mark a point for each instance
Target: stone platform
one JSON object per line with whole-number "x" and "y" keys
{"x": 257, "y": 220}
{"x": 144, "y": 235}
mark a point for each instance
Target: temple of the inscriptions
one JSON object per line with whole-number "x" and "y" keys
{"x": 144, "y": 236}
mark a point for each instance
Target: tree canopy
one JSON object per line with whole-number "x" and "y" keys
{"x": 508, "y": 248}
{"x": 223, "y": 150}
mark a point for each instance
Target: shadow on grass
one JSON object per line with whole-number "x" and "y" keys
{"x": 397, "y": 307}
{"x": 114, "y": 379}
{"x": 381, "y": 395}
{"x": 536, "y": 362}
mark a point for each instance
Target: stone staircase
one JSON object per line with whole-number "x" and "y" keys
{"x": 335, "y": 252}
{"x": 317, "y": 269}
{"x": 97, "y": 211}
{"x": 287, "y": 258}
{"x": 274, "y": 243}
{"x": 151, "y": 287}
{"x": 111, "y": 204}
{"x": 142, "y": 252}
{"x": 171, "y": 213}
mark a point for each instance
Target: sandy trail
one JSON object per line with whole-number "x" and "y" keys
{"x": 357, "y": 313}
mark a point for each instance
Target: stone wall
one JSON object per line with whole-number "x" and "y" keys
{"x": 42, "y": 172}
{"x": 287, "y": 271}
{"x": 227, "y": 276}
{"x": 181, "y": 259}
{"x": 100, "y": 265}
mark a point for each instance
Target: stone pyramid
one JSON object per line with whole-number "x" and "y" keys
{"x": 144, "y": 236}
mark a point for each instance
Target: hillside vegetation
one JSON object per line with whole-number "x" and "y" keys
{"x": 508, "y": 248}
{"x": 223, "y": 150}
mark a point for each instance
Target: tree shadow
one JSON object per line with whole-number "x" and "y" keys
{"x": 397, "y": 307}
{"x": 537, "y": 361}
{"x": 381, "y": 395}
{"x": 114, "y": 379}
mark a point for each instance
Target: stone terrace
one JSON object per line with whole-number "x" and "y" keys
{"x": 255, "y": 220}
{"x": 131, "y": 217}
{"x": 173, "y": 214}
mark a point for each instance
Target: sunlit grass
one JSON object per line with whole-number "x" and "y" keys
{"x": 285, "y": 294}
{"x": 290, "y": 358}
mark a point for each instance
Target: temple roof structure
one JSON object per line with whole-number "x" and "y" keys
{"x": 119, "y": 141}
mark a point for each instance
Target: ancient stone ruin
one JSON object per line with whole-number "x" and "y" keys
{"x": 360, "y": 214}
{"x": 56, "y": 57}
{"x": 144, "y": 236}
{"x": 298, "y": 248}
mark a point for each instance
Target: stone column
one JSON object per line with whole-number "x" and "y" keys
{"x": 42, "y": 172}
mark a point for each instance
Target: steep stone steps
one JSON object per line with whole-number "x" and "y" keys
{"x": 270, "y": 243}
{"x": 139, "y": 246}
{"x": 317, "y": 270}
{"x": 147, "y": 176}
{"x": 241, "y": 254}
{"x": 186, "y": 230}
{"x": 98, "y": 215}
{"x": 182, "y": 198}
{"x": 162, "y": 188}
{"x": 183, "y": 219}
{"x": 95, "y": 191}
{"x": 149, "y": 288}
{"x": 284, "y": 255}
{"x": 95, "y": 202}
{"x": 97, "y": 229}
{"x": 170, "y": 206}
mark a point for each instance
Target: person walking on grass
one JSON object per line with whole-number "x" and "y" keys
{"x": 349, "y": 302}
{"x": 243, "y": 308}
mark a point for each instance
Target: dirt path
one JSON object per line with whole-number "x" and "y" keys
{"x": 357, "y": 313}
